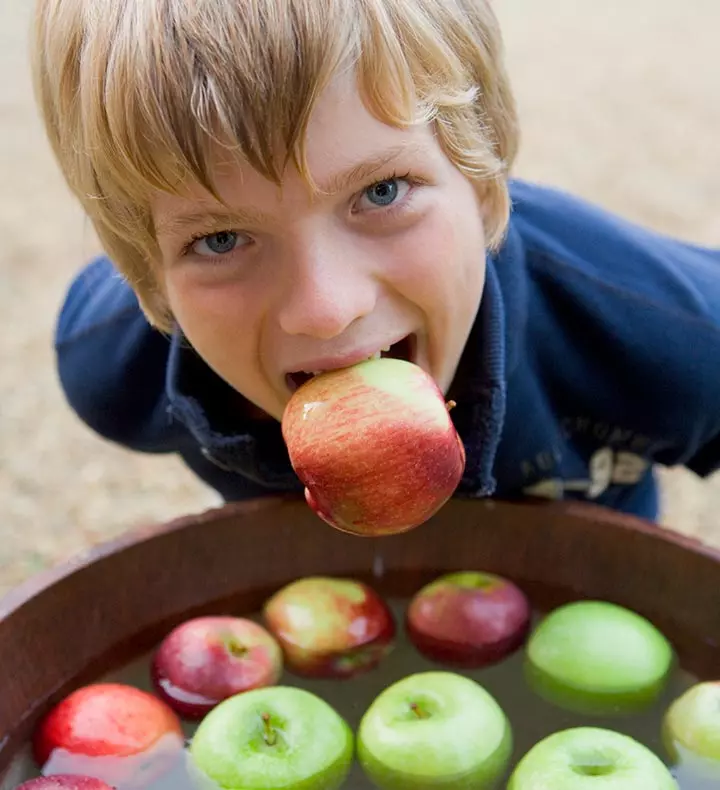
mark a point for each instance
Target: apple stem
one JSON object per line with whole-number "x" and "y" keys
{"x": 450, "y": 405}
{"x": 418, "y": 711}
{"x": 269, "y": 733}
{"x": 234, "y": 647}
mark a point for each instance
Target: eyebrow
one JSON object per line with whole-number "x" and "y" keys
{"x": 175, "y": 223}
{"x": 366, "y": 169}
{"x": 210, "y": 218}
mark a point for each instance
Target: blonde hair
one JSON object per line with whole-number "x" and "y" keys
{"x": 135, "y": 95}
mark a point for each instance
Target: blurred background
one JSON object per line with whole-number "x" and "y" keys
{"x": 620, "y": 102}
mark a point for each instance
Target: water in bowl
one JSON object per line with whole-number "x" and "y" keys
{"x": 531, "y": 718}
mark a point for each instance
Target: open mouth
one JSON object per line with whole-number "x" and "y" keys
{"x": 404, "y": 349}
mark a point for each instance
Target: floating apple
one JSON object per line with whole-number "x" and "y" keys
{"x": 208, "y": 659}
{"x": 374, "y": 446}
{"x": 64, "y": 782}
{"x": 273, "y": 737}
{"x": 589, "y": 758}
{"x": 434, "y": 729}
{"x": 598, "y": 658}
{"x": 691, "y": 732}
{"x": 111, "y": 731}
{"x": 330, "y": 627}
{"x": 468, "y": 619}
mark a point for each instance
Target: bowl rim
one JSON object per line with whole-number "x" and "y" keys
{"x": 41, "y": 581}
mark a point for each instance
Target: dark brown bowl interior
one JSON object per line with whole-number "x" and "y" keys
{"x": 69, "y": 625}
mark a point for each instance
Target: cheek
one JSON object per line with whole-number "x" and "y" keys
{"x": 218, "y": 319}
{"x": 440, "y": 256}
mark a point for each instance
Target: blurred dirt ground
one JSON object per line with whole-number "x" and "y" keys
{"x": 620, "y": 102}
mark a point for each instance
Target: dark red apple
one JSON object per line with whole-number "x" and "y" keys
{"x": 330, "y": 627}
{"x": 374, "y": 446}
{"x": 64, "y": 782}
{"x": 208, "y": 659}
{"x": 468, "y": 619}
{"x": 117, "y": 733}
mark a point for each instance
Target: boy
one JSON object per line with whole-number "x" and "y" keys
{"x": 290, "y": 186}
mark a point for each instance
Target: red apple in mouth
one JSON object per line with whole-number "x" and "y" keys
{"x": 374, "y": 446}
{"x": 330, "y": 627}
{"x": 111, "y": 731}
{"x": 468, "y": 619}
{"x": 208, "y": 659}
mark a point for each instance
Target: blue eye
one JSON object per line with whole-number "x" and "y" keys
{"x": 217, "y": 243}
{"x": 383, "y": 193}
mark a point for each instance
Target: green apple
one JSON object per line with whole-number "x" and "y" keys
{"x": 691, "y": 730}
{"x": 272, "y": 737}
{"x": 589, "y": 758}
{"x": 597, "y": 658}
{"x": 434, "y": 729}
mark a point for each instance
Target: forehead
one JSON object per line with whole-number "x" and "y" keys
{"x": 345, "y": 144}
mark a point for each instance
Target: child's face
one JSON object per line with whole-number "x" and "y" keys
{"x": 290, "y": 283}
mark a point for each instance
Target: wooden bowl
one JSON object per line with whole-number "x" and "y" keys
{"x": 69, "y": 625}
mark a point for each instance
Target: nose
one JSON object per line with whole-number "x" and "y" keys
{"x": 330, "y": 287}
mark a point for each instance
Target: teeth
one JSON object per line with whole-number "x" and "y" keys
{"x": 376, "y": 355}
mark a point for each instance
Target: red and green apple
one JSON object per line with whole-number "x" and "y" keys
{"x": 374, "y": 446}
{"x": 208, "y": 659}
{"x": 330, "y": 627}
{"x": 468, "y": 619}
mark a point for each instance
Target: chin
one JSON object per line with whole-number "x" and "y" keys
{"x": 274, "y": 412}
{"x": 444, "y": 376}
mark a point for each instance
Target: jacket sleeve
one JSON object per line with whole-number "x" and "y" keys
{"x": 111, "y": 362}
{"x": 686, "y": 345}
{"x": 637, "y": 314}
{"x": 699, "y": 270}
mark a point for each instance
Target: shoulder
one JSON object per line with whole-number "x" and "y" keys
{"x": 571, "y": 241}
{"x": 111, "y": 363}
{"x": 621, "y": 320}
{"x": 98, "y": 297}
